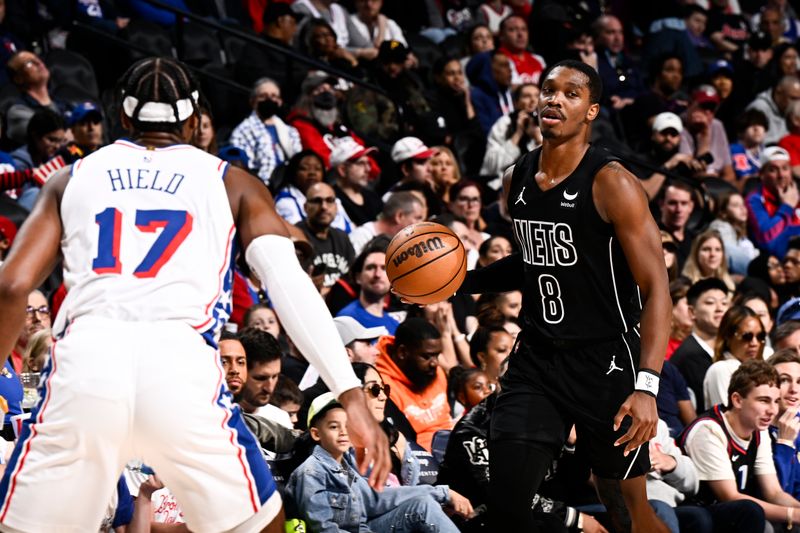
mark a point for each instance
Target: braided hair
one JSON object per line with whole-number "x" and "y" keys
{"x": 159, "y": 94}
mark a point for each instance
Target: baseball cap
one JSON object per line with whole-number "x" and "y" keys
{"x": 276, "y": 10}
{"x": 772, "y": 154}
{"x": 720, "y": 65}
{"x": 788, "y": 311}
{"x": 232, "y": 154}
{"x": 667, "y": 120}
{"x": 83, "y": 111}
{"x": 315, "y": 78}
{"x": 760, "y": 41}
{"x": 346, "y": 148}
{"x": 410, "y": 148}
{"x": 705, "y": 94}
{"x": 8, "y": 229}
{"x": 351, "y": 330}
{"x": 321, "y": 405}
{"x": 703, "y": 286}
{"x": 392, "y": 52}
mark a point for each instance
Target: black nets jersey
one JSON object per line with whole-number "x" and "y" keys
{"x": 577, "y": 281}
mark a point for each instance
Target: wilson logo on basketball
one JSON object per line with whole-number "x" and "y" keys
{"x": 418, "y": 250}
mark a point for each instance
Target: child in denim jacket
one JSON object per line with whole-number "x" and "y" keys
{"x": 332, "y": 496}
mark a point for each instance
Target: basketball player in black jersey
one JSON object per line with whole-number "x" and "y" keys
{"x": 596, "y": 312}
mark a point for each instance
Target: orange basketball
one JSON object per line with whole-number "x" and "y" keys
{"x": 426, "y": 263}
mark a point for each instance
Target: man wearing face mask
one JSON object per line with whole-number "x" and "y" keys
{"x": 317, "y": 118}
{"x": 266, "y": 139}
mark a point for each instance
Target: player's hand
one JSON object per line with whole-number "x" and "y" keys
{"x": 460, "y": 504}
{"x": 150, "y": 485}
{"x": 403, "y": 300}
{"x": 591, "y": 525}
{"x": 641, "y": 407}
{"x": 369, "y": 440}
{"x": 788, "y": 425}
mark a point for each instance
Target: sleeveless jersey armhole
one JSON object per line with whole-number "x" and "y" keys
{"x": 522, "y": 169}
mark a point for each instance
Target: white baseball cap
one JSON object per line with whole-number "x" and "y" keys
{"x": 346, "y": 149}
{"x": 321, "y": 404}
{"x": 351, "y": 330}
{"x": 667, "y": 120}
{"x": 410, "y": 148}
{"x": 772, "y": 154}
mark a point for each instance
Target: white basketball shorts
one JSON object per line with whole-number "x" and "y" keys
{"x": 114, "y": 391}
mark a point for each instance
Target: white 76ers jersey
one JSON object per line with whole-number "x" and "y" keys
{"x": 148, "y": 236}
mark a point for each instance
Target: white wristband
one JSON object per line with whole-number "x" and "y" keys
{"x": 647, "y": 381}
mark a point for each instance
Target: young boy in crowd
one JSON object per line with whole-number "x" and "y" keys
{"x": 331, "y": 495}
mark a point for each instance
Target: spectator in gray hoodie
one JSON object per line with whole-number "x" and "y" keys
{"x": 774, "y": 103}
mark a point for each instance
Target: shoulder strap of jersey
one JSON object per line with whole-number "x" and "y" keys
{"x": 714, "y": 414}
{"x": 598, "y": 157}
{"x": 525, "y": 166}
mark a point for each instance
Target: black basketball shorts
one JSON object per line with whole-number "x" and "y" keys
{"x": 548, "y": 387}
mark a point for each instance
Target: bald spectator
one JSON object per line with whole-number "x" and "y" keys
{"x": 526, "y": 67}
{"x": 704, "y": 137}
{"x": 401, "y": 209}
{"x": 30, "y": 75}
{"x": 773, "y": 103}
{"x": 351, "y": 164}
{"x": 772, "y": 216}
{"x": 333, "y": 253}
{"x": 369, "y": 272}
{"x": 622, "y": 82}
{"x": 265, "y": 138}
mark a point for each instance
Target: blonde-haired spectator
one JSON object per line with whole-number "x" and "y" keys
{"x": 37, "y": 351}
{"x": 707, "y": 259}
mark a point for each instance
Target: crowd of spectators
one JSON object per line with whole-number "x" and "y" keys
{"x": 365, "y": 116}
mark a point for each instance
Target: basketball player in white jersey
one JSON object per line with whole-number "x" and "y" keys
{"x": 148, "y": 230}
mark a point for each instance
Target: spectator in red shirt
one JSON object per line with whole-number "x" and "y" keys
{"x": 526, "y": 67}
{"x": 791, "y": 142}
{"x": 317, "y": 116}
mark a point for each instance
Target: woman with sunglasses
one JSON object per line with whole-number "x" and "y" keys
{"x": 741, "y": 337}
{"x": 411, "y": 464}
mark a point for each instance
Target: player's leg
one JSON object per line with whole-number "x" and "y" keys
{"x": 626, "y": 502}
{"x": 196, "y": 440}
{"x": 599, "y": 379}
{"x": 527, "y": 430}
{"x": 64, "y": 469}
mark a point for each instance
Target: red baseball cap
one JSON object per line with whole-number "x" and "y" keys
{"x": 8, "y": 229}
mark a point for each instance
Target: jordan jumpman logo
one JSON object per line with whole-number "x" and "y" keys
{"x": 520, "y": 198}
{"x": 613, "y": 366}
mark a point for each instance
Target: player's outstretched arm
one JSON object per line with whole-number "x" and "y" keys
{"x": 506, "y": 274}
{"x": 307, "y": 320}
{"x": 32, "y": 258}
{"x": 621, "y": 201}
